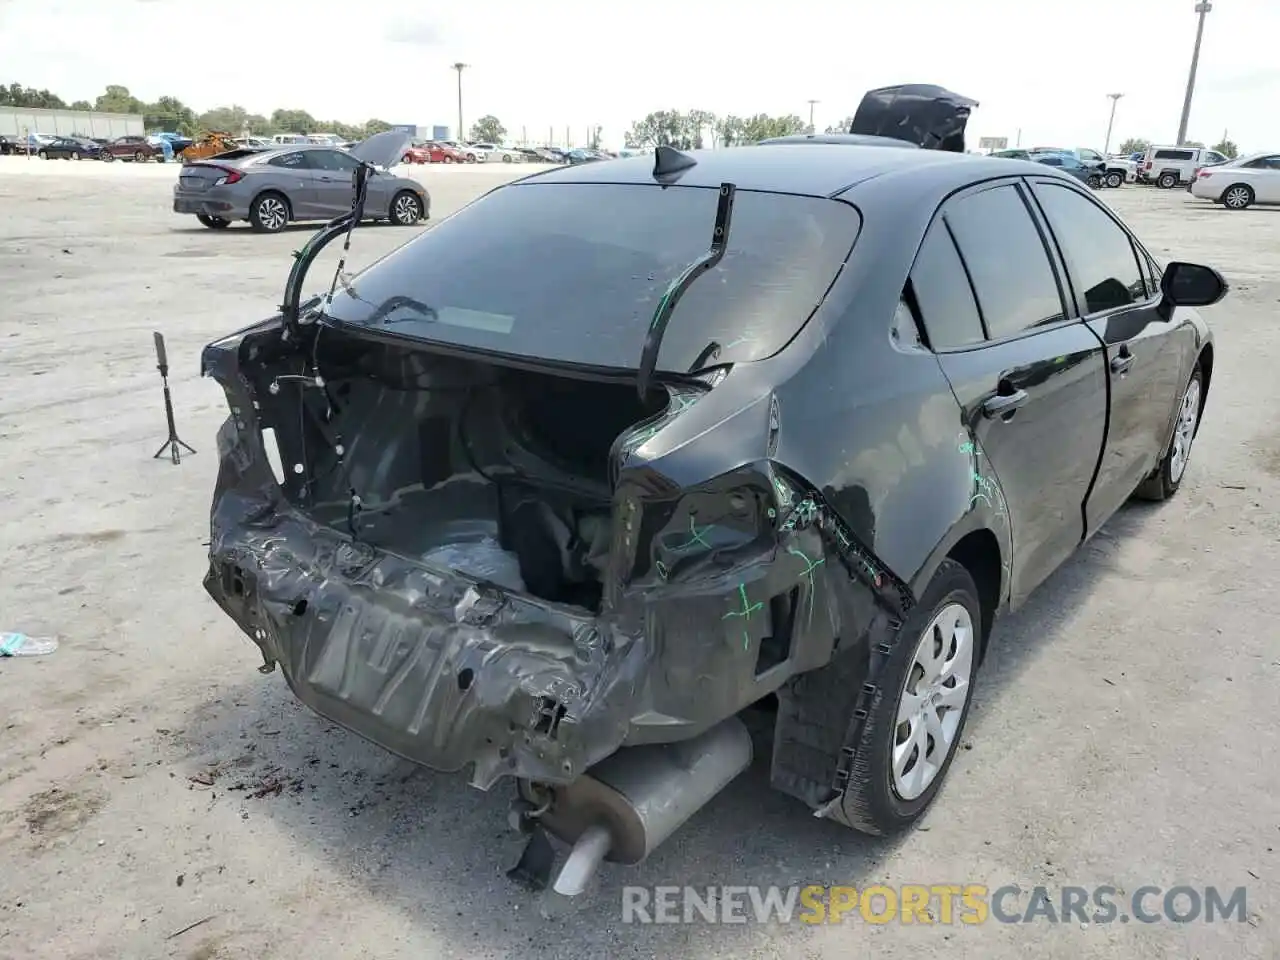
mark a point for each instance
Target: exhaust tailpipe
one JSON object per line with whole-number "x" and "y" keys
{"x": 624, "y": 807}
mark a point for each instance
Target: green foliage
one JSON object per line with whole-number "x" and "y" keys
{"x": 1228, "y": 149}
{"x": 488, "y": 129}
{"x": 841, "y": 127}
{"x": 699, "y": 128}
{"x": 16, "y": 95}
{"x": 1135, "y": 145}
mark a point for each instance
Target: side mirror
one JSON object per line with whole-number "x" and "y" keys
{"x": 1192, "y": 285}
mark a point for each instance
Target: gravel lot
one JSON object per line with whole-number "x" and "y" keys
{"x": 150, "y": 778}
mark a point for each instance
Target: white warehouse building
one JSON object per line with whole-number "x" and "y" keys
{"x": 16, "y": 122}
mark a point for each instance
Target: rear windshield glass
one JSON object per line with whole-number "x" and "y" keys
{"x": 1174, "y": 154}
{"x": 573, "y": 272}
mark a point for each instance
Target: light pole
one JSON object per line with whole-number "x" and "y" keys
{"x": 462, "y": 136}
{"x": 1115, "y": 98}
{"x": 1202, "y": 8}
{"x": 811, "y": 103}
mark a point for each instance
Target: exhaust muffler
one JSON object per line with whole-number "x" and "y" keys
{"x": 624, "y": 807}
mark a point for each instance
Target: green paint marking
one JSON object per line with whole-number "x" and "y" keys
{"x": 695, "y": 536}
{"x": 745, "y": 613}
{"x": 807, "y": 573}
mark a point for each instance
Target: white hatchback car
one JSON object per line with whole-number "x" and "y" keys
{"x": 1240, "y": 183}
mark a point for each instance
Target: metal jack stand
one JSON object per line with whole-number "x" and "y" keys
{"x": 174, "y": 446}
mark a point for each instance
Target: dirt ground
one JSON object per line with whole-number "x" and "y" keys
{"x": 151, "y": 779}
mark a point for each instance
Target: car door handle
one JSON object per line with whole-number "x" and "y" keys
{"x": 1003, "y": 404}
{"x": 1121, "y": 362}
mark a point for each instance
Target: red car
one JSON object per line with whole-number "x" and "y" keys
{"x": 130, "y": 148}
{"x": 417, "y": 154}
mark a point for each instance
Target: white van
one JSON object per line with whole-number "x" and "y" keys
{"x": 1168, "y": 166}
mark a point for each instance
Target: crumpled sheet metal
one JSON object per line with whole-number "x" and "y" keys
{"x": 448, "y": 671}
{"x": 930, "y": 116}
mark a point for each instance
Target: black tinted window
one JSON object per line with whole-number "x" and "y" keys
{"x": 575, "y": 271}
{"x": 295, "y": 161}
{"x": 1263, "y": 163}
{"x": 1174, "y": 154}
{"x": 1099, "y": 254}
{"x": 332, "y": 160}
{"x": 943, "y": 294}
{"x": 1007, "y": 260}
{"x": 1051, "y": 161}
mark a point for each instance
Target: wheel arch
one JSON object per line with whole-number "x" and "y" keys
{"x": 275, "y": 191}
{"x": 981, "y": 545}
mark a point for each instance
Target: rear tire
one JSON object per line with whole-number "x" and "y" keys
{"x": 107, "y": 156}
{"x": 43, "y": 154}
{"x": 1238, "y": 196}
{"x": 1164, "y": 483}
{"x": 1114, "y": 179}
{"x": 901, "y": 758}
{"x": 213, "y": 223}
{"x": 448, "y": 159}
{"x": 1167, "y": 181}
{"x": 269, "y": 213}
{"x": 139, "y": 156}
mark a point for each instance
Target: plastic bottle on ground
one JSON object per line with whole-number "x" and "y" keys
{"x": 21, "y": 645}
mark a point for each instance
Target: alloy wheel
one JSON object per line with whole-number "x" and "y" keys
{"x": 406, "y": 210}
{"x": 1184, "y": 432}
{"x": 272, "y": 213}
{"x": 932, "y": 701}
{"x": 1237, "y": 198}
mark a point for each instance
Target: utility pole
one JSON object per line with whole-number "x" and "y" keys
{"x": 461, "y": 134}
{"x": 1115, "y": 98}
{"x": 1018, "y": 141}
{"x": 811, "y": 103}
{"x": 1202, "y": 8}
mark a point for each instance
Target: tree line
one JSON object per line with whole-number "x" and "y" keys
{"x": 694, "y": 129}
{"x": 171, "y": 114}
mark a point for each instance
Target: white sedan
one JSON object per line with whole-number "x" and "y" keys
{"x": 491, "y": 152}
{"x": 1240, "y": 183}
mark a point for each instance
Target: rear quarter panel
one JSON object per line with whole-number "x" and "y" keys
{"x": 871, "y": 421}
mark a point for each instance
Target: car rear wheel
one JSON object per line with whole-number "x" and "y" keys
{"x": 43, "y": 154}
{"x": 213, "y": 223}
{"x": 1167, "y": 181}
{"x": 406, "y": 209}
{"x": 139, "y": 156}
{"x": 917, "y": 715}
{"x": 1238, "y": 196}
{"x": 1114, "y": 179}
{"x": 269, "y": 213}
{"x": 506, "y": 158}
{"x": 75, "y": 155}
{"x": 107, "y": 156}
{"x": 1095, "y": 180}
{"x": 447, "y": 158}
{"x": 1165, "y": 482}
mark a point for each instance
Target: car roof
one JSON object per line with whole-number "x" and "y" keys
{"x": 816, "y": 169}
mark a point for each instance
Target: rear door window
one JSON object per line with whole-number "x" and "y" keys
{"x": 943, "y": 295}
{"x": 1175, "y": 154}
{"x": 1100, "y": 258}
{"x": 574, "y": 272}
{"x": 293, "y": 161}
{"x": 1006, "y": 258}
{"x": 333, "y": 161}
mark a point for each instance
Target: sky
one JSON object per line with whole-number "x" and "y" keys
{"x": 543, "y": 65}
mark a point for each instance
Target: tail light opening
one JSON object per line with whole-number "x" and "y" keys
{"x": 229, "y": 177}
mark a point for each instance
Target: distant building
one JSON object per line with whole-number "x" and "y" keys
{"x": 19, "y": 121}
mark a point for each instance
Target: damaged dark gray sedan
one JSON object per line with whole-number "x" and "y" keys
{"x": 560, "y": 487}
